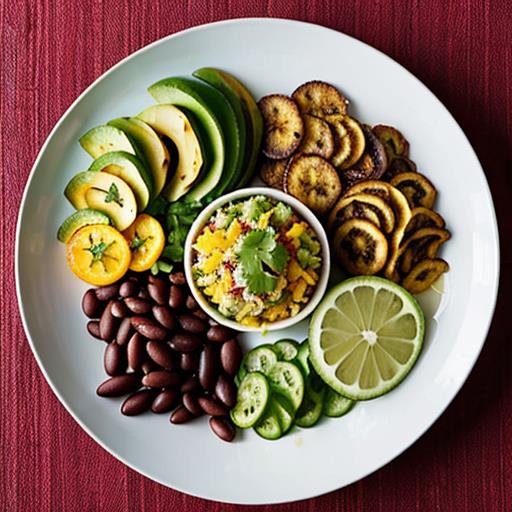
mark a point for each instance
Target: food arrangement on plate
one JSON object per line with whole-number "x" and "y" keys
{"x": 184, "y": 258}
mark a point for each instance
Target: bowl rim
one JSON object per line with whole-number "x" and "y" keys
{"x": 304, "y": 212}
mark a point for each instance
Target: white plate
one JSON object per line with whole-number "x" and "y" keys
{"x": 270, "y": 56}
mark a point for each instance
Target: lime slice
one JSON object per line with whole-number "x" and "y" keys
{"x": 365, "y": 337}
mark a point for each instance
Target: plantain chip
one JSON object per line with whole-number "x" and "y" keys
{"x": 422, "y": 217}
{"x": 318, "y": 138}
{"x": 363, "y": 206}
{"x": 361, "y": 247}
{"x": 398, "y": 165}
{"x": 424, "y": 274}
{"x": 320, "y": 99}
{"x": 417, "y": 188}
{"x": 393, "y": 140}
{"x": 350, "y": 141}
{"x": 314, "y": 181}
{"x": 272, "y": 172}
{"x": 283, "y": 126}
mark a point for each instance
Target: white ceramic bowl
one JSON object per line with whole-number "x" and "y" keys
{"x": 303, "y": 211}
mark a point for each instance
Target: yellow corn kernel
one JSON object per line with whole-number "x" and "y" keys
{"x": 219, "y": 292}
{"x": 308, "y": 278}
{"x": 210, "y": 240}
{"x": 294, "y": 309}
{"x": 242, "y": 314}
{"x": 265, "y": 218}
{"x": 296, "y": 230}
{"x": 313, "y": 274}
{"x": 210, "y": 290}
{"x": 299, "y": 290}
{"x": 212, "y": 262}
{"x": 250, "y": 321}
{"x": 294, "y": 271}
{"x": 226, "y": 281}
{"x": 233, "y": 232}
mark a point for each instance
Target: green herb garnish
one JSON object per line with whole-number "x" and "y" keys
{"x": 113, "y": 195}
{"x": 259, "y": 251}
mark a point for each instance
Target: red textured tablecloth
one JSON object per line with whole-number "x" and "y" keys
{"x": 52, "y": 49}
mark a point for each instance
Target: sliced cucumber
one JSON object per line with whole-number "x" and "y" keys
{"x": 251, "y": 401}
{"x": 336, "y": 405}
{"x": 303, "y": 357}
{"x": 311, "y": 408}
{"x": 269, "y": 427}
{"x": 284, "y": 411}
{"x": 286, "y": 350}
{"x": 286, "y": 378}
{"x": 259, "y": 359}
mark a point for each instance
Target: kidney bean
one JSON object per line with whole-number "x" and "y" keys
{"x": 118, "y": 308}
{"x": 191, "y": 303}
{"x": 135, "y": 351}
{"x": 219, "y": 333}
{"x": 164, "y": 316}
{"x": 162, "y": 354}
{"x": 177, "y": 278}
{"x": 192, "y": 324}
{"x": 108, "y": 324}
{"x": 138, "y": 306}
{"x": 149, "y": 366}
{"x": 181, "y": 415}
{"x": 161, "y": 379}
{"x": 223, "y": 428}
{"x": 138, "y": 403}
{"x": 230, "y": 356}
{"x": 189, "y": 361}
{"x": 225, "y": 391}
{"x": 158, "y": 291}
{"x": 124, "y": 331}
{"x": 165, "y": 401}
{"x": 191, "y": 403}
{"x": 114, "y": 359}
{"x": 107, "y": 292}
{"x": 185, "y": 342}
{"x": 149, "y": 328}
{"x": 200, "y": 314}
{"x": 119, "y": 385}
{"x": 91, "y": 305}
{"x": 128, "y": 288}
{"x": 93, "y": 328}
{"x": 143, "y": 294}
{"x": 212, "y": 407}
{"x": 208, "y": 368}
{"x": 212, "y": 322}
{"x": 176, "y": 296}
{"x": 191, "y": 384}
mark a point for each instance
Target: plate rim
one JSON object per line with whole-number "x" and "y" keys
{"x": 163, "y": 40}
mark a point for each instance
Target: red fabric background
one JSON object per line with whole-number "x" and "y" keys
{"x": 52, "y": 49}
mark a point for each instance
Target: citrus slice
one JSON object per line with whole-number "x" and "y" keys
{"x": 98, "y": 254}
{"x": 365, "y": 337}
{"x": 146, "y": 239}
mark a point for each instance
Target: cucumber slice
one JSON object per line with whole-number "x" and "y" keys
{"x": 311, "y": 408}
{"x": 286, "y": 350}
{"x": 284, "y": 411}
{"x": 259, "y": 359}
{"x": 303, "y": 357}
{"x": 286, "y": 378}
{"x": 336, "y": 405}
{"x": 269, "y": 427}
{"x": 251, "y": 401}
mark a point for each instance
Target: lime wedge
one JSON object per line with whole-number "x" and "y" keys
{"x": 365, "y": 337}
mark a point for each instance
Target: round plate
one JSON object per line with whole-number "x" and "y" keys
{"x": 269, "y": 56}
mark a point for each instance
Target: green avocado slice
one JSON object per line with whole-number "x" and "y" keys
{"x": 102, "y": 139}
{"x": 79, "y": 219}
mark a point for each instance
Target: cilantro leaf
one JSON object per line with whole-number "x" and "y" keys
{"x": 113, "y": 195}
{"x": 258, "y": 252}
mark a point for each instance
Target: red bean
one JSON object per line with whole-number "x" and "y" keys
{"x": 118, "y": 308}
{"x": 191, "y": 303}
{"x": 149, "y": 328}
{"x": 177, "y": 278}
{"x": 128, "y": 289}
{"x": 162, "y": 354}
{"x": 191, "y": 384}
{"x": 119, "y": 385}
{"x": 223, "y": 428}
{"x": 208, "y": 367}
{"x": 114, "y": 359}
{"x": 165, "y": 401}
{"x": 189, "y": 361}
{"x": 225, "y": 391}
{"x": 107, "y": 292}
{"x": 93, "y": 327}
{"x": 138, "y": 403}
{"x": 212, "y": 407}
{"x": 91, "y": 305}
{"x": 191, "y": 403}
{"x": 138, "y": 306}
{"x": 185, "y": 342}
{"x": 161, "y": 379}
{"x": 158, "y": 291}
{"x": 164, "y": 316}
{"x": 219, "y": 333}
{"x": 176, "y": 296}
{"x": 230, "y": 356}
{"x": 191, "y": 323}
{"x": 124, "y": 331}
{"x": 135, "y": 351}
{"x": 181, "y": 415}
{"x": 108, "y": 324}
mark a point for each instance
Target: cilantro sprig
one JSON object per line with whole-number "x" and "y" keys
{"x": 260, "y": 252}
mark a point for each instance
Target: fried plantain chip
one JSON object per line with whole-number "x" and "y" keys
{"x": 318, "y": 138}
{"x": 398, "y": 165}
{"x": 283, "y": 126}
{"x": 350, "y": 141}
{"x": 320, "y": 99}
{"x": 422, "y": 217}
{"x": 363, "y": 206}
{"x": 360, "y": 246}
{"x": 424, "y": 274}
{"x": 314, "y": 181}
{"x": 272, "y": 172}
{"x": 393, "y": 140}
{"x": 417, "y": 188}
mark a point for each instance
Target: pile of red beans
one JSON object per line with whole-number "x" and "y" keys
{"x": 163, "y": 350}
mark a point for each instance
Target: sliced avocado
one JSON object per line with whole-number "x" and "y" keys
{"x": 79, "y": 219}
{"x": 218, "y": 121}
{"x": 154, "y": 149}
{"x": 254, "y": 125}
{"x": 212, "y": 77}
{"x": 131, "y": 170}
{"x": 171, "y": 122}
{"x": 103, "y": 192}
{"x": 102, "y": 139}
